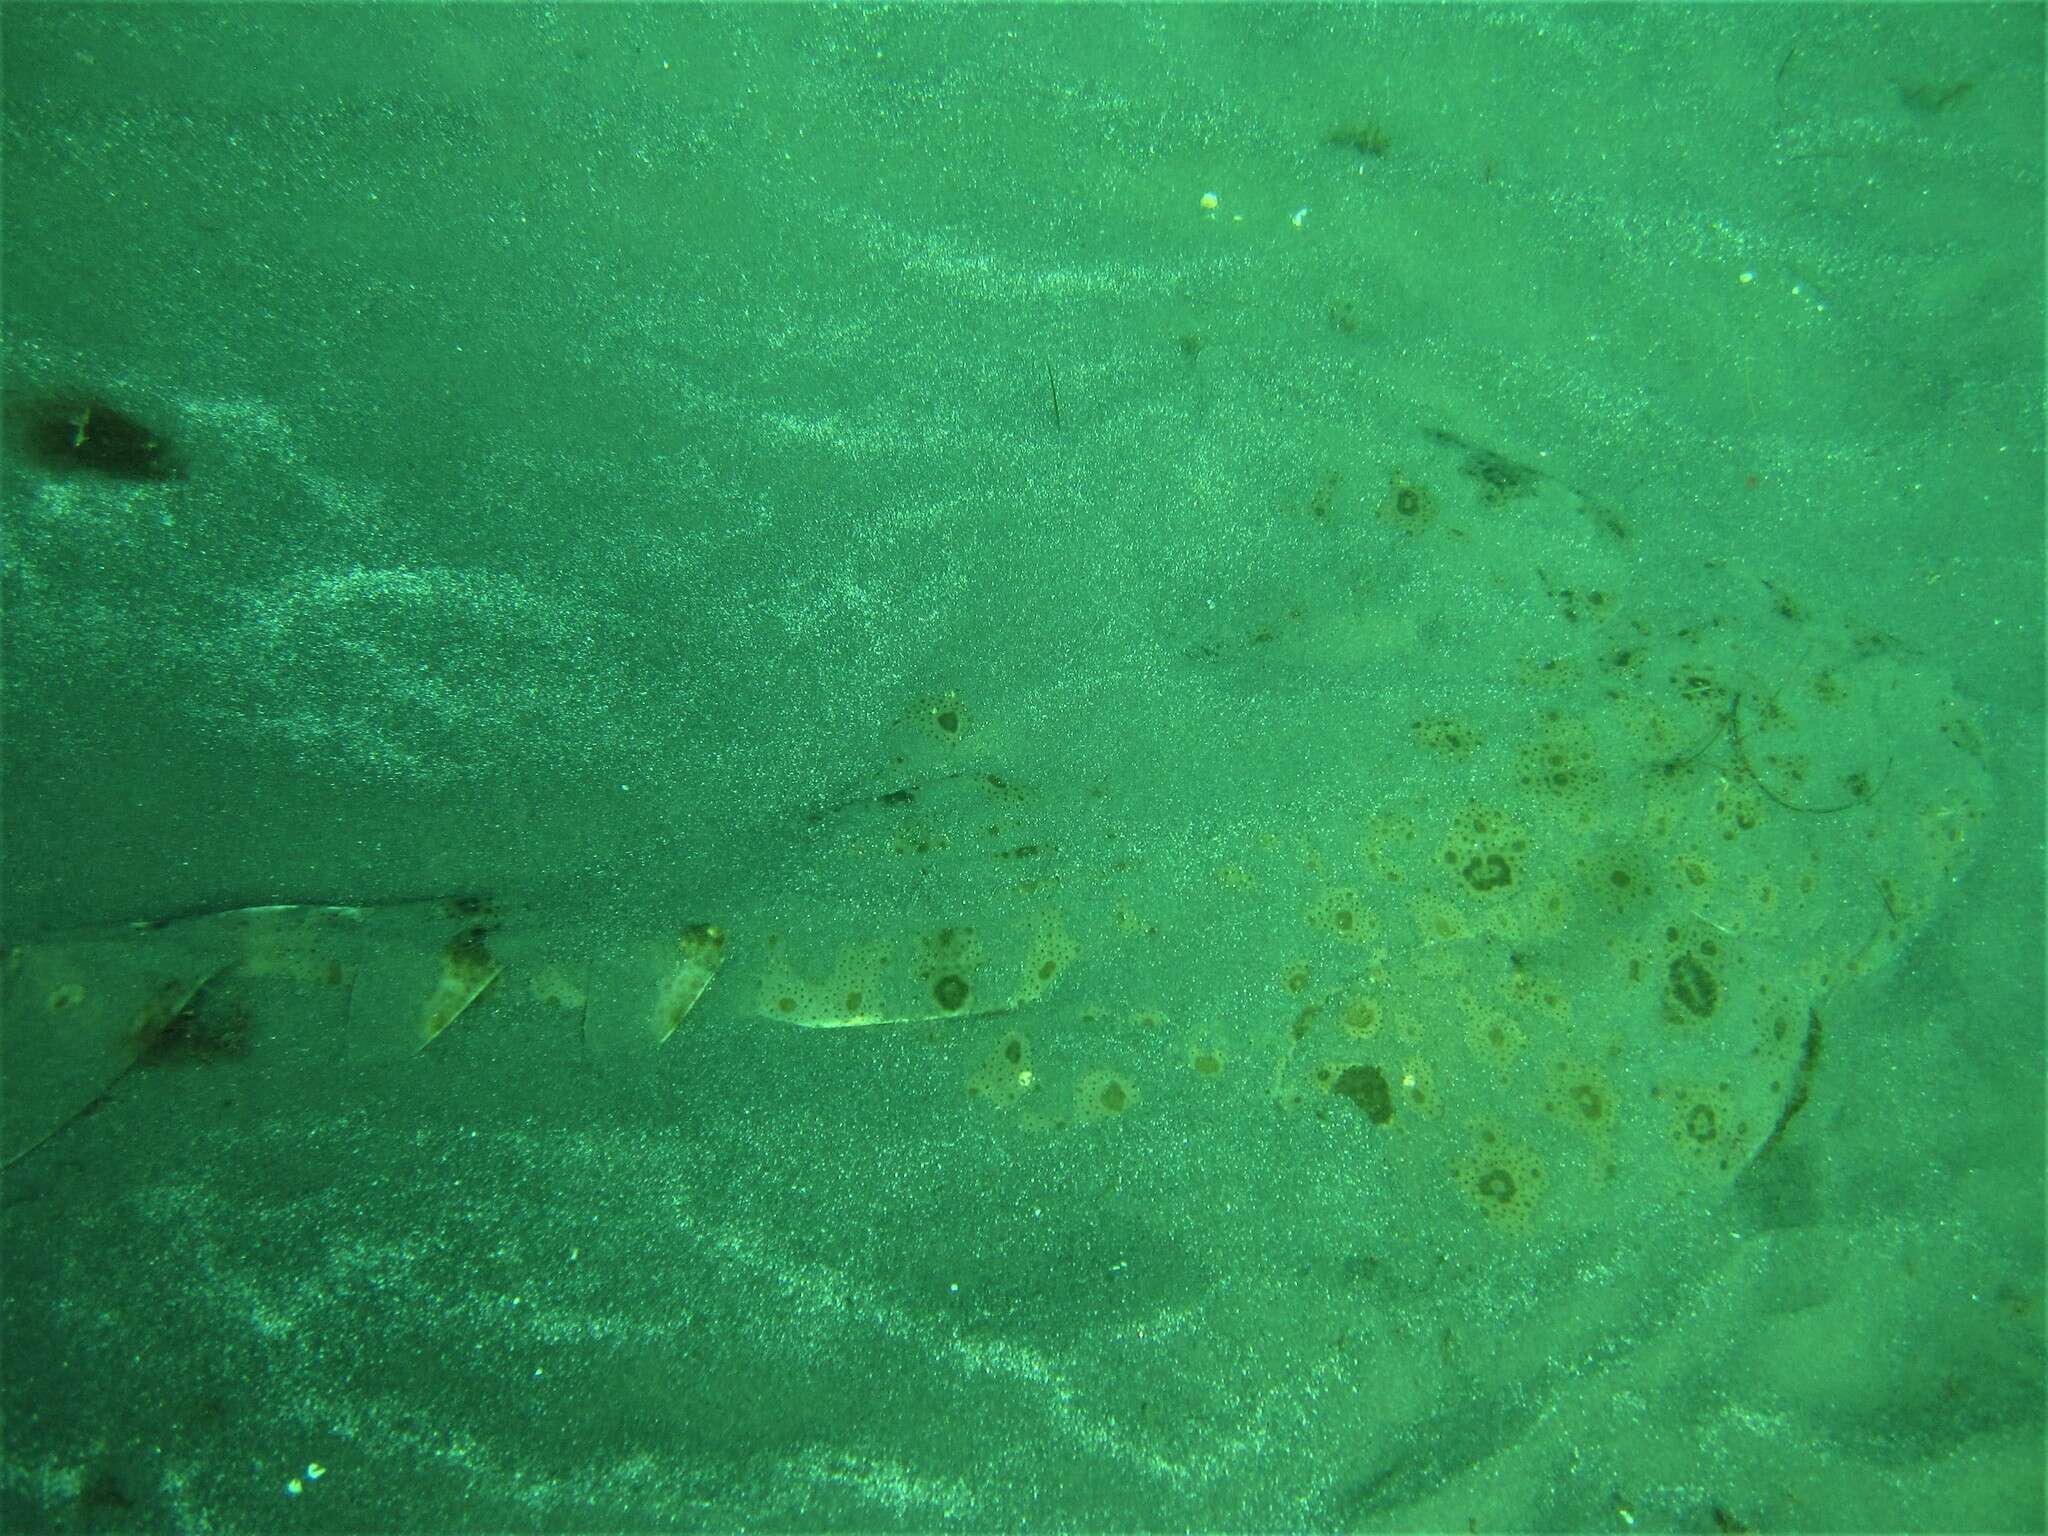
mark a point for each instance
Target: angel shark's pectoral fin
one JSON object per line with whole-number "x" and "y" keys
{"x": 77, "y": 1014}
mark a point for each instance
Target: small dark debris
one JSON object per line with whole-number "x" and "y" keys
{"x": 1929, "y": 97}
{"x": 103, "y": 1502}
{"x": 1368, "y": 140}
{"x": 67, "y": 433}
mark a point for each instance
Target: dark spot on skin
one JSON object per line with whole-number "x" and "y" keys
{"x": 1693, "y": 985}
{"x": 1367, "y": 1088}
{"x": 1487, "y": 872}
